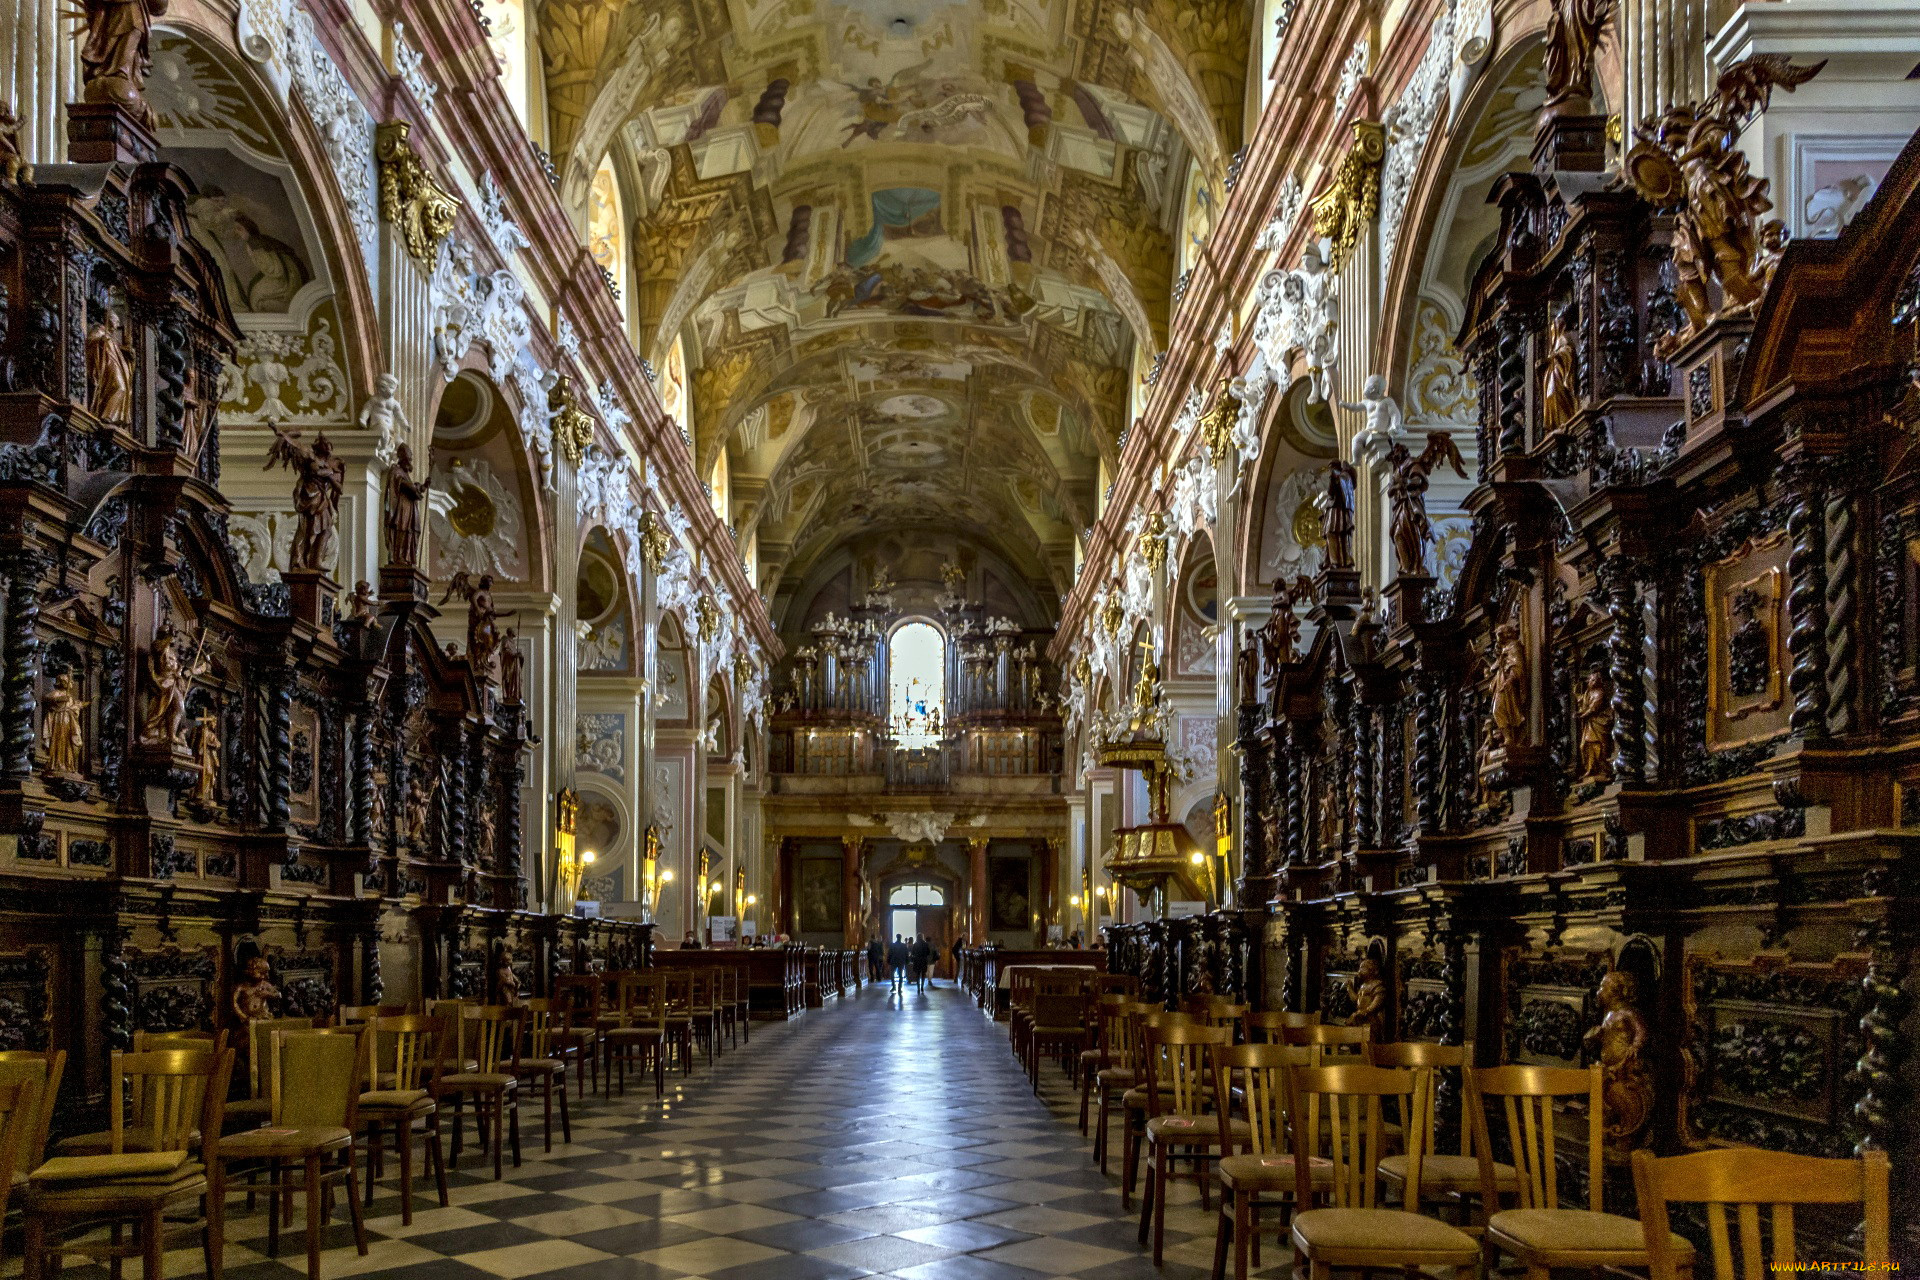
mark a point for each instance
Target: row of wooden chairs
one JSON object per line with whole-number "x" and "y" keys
{"x": 1321, "y": 1123}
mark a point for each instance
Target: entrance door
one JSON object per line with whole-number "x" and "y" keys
{"x": 906, "y": 921}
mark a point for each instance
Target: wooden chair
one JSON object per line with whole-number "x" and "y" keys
{"x": 315, "y": 1095}
{"x": 1020, "y": 984}
{"x": 1215, "y": 1011}
{"x": 679, "y": 1022}
{"x": 546, "y": 1060}
{"x": 706, "y": 1013}
{"x": 1539, "y": 1234}
{"x": 1122, "y": 1026}
{"x": 1441, "y": 1175}
{"x": 742, "y": 1002}
{"x": 490, "y": 1077}
{"x": 101, "y": 1142}
{"x": 1133, "y": 1103}
{"x": 1353, "y": 1230}
{"x": 353, "y": 1014}
{"x": 579, "y": 997}
{"x": 1349, "y": 1043}
{"x": 257, "y": 1107}
{"x": 1258, "y": 1162}
{"x": 726, "y": 1002}
{"x": 643, "y": 1002}
{"x": 1265, "y": 1026}
{"x": 24, "y": 1100}
{"x": 1747, "y": 1178}
{"x": 1178, "y": 1079}
{"x": 1059, "y": 1022}
{"x": 408, "y": 1046}
{"x": 45, "y": 1068}
{"x": 179, "y": 1094}
{"x": 1102, "y": 1014}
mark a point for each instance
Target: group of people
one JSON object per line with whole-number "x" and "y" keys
{"x": 907, "y": 960}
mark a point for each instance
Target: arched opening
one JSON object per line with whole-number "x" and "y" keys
{"x": 606, "y": 226}
{"x": 917, "y": 684}
{"x": 904, "y": 905}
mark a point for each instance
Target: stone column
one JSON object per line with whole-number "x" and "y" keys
{"x": 977, "y": 891}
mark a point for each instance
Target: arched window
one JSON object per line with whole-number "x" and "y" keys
{"x": 917, "y": 895}
{"x": 606, "y": 227}
{"x": 917, "y": 668}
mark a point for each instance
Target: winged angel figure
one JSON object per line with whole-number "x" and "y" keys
{"x": 1686, "y": 160}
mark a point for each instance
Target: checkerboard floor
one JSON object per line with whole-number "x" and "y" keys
{"x": 881, "y": 1136}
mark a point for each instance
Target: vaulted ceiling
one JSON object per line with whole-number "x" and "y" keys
{"x": 916, "y": 252}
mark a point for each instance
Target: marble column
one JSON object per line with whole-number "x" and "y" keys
{"x": 977, "y": 891}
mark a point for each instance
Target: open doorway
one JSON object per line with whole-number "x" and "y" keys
{"x": 919, "y": 911}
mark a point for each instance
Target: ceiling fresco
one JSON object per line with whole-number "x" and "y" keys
{"x": 914, "y": 252}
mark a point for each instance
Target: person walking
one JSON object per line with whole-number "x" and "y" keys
{"x": 876, "y": 958}
{"x": 921, "y": 956}
{"x": 897, "y": 956}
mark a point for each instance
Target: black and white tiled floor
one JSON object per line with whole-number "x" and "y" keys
{"x": 878, "y": 1136}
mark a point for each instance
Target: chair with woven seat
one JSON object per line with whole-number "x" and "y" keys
{"x": 1178, "y": 1078}
{"x": 579, "y": 997}
{"x": 180, "y": 1098}
{"x": 315, "y": 1094}
{"x": 643, "y": 1029}
{"x": 1441, "y": 1175}
{"x": 1059, "y": 1021}
{"x": 1745, "y": 1179}
{"x": 1265, "y": 1026}
{"x": 490, "y": 1076}
{"x": 1256, "y": 1164}
{"x": 402, "y": 1062}
{"x": 548, "y": 1055}
{"x": 1538, "y": 1233}
{"x": 1352, "y": 1229}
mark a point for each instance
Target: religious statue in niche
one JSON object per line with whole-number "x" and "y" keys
{"x": 1369, "y": 999}
{"x": 320, "y": 479}
{"x": 404, "y": 498}
{"x": 1512, "y": 691}
{"x": 1336, "y": 514}
{"x": 255, "y": 995}
{"x": 1593, "y": 715}
{"x": 1687, "y": 160}
{"x": 63, "y": 728}
{"x": 419, "y": 805}
{"x": 116, "y": 56}
{"x": 169, "y": 676}
{"x": 1573, "y": 35}
{"x": 207, "y": 758}
{"x": 1619, "y": 1043}
{"x": 109, "y": 369}
{"x": 1558, "y": 400}
{"x": 506, "y": 983}
{"x": 1407, "y": 485}
{"x": 1749, "y": 646}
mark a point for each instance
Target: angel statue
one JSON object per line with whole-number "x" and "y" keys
{"x": 1407, "y": 497}
{"x": 320, "y": 479}
{"x": 169, "y": 676}
{"x": 1687, "y": 161}
{"x": 1384, "y": 418}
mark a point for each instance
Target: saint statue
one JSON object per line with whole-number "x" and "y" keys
{"x": 404, "y": 497}
{"x": 62, "y": 726}
{"x": 255, "y": 995}
{"x": 207, "y": 752}
{"x": 1407, "y": 486}
{"x": 1512, "y": 693}
{"x": 1573, "y": 34}
{"x": 1619, "y": 1042}
{"x": 1594, "y": 715}
{"x": 109, "y": 370}
{"x": 1336, "y": 514}
{"x": 115, "y": 56}
{"x": 1558, "y": 400}
{"x": 320, "y": 480}
{"x": 169, "y": 677}
{"x": 513, "y": 666}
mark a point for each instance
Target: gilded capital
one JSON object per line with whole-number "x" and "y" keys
{"x": 654, "y": 542}
{"x": 572, "y": 428}
{"x": 410, "y": 199}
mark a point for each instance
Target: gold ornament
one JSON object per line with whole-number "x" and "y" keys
{"x": 1216, "y": 425}
{"x": 1340, "y": 212}
{"x": 1153, "y": 542}
{"x": 410, "y": 199}
{"x": 1112, "y": 614}
{"x": 709, "y": 615}
{"x": 572, "y": 428}
{"x": 742, "y": 671}
{"x": 654, "y": 542}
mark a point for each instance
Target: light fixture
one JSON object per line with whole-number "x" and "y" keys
{"x": 586, "y": 858}
{"x": 753, "y": 900}
{"x": 666, "y": 877}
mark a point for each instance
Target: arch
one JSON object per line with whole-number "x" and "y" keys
{"x": 607, "y": 226}
{"x": 486, "y": 506}
{"x": 673, "y": 672}
{"x": 603, "y": 606}
{"x": 1193, "y": 610}
{"x": 919, "y": 892}
{"x": 1297, "y": 439}
{"x": 916, "y": 682}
